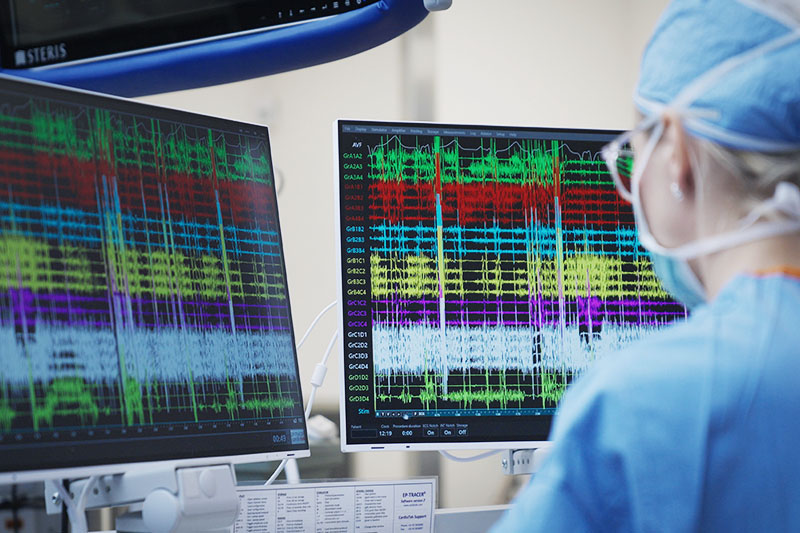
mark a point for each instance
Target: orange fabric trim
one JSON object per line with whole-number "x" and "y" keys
{"x": 791, "y": 271}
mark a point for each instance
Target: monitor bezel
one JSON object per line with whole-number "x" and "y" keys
{"x": 78, "y": 471}
{"x": 75, "y": 472}
{"x": 433, "y": 445}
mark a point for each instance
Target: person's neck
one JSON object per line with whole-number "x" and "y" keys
{"x": 716, "y": 270}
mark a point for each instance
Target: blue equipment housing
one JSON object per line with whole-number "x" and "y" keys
{"x": 236, "y": 58}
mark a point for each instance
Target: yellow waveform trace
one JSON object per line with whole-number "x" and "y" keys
{"x": 42, "y": 267}
{"x": 415, "y": 277}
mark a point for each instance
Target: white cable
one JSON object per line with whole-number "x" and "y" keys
{"x": 316, "y": 380}
{"x": 80, "y": 505}
{"x": 276, "y": 473}
{"x": 319, "y": 373}
{"x": 310, "y": 402}
{"x": 314, "y": 323}
{"x": 76, "y": 509}
{"x": 78, "y": 525}
{"x": 329, "y": 349}
{"x": 477, "y": 457}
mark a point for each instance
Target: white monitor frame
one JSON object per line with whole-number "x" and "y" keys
{"x": 28, "y": 476}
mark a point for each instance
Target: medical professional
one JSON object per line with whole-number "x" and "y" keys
{"x": 697, "y": 428}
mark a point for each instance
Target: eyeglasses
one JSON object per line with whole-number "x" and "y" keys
{"x": 619, "y": 157}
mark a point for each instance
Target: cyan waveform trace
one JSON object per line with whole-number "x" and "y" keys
{"x": 394, "y": 238}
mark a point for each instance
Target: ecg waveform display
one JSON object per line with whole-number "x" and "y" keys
{"x": 497, "y": 266}
{"x": 142, "y": 283}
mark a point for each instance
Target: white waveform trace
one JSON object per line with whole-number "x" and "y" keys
{"x": 165, "y": 355}
{"x": 416, "y": 348}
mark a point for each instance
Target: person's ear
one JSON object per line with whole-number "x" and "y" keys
{"x": 678, "y": 158}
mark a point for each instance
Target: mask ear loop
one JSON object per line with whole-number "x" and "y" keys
{"x": 785, "y": 200}
{"x": 645, "y": 236}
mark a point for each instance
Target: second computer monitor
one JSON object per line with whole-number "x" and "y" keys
{"x": 144, "y": 308}
{"x": 482, "y": 270}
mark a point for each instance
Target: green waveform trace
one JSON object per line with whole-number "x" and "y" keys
{"x": 553, "y": 387}
{"x": 529, "y": 162}
{"x": 7, "y": 416}
{"x": 65, "y": 397}
{"x": 131, "y": 141}
{"x": 466, "y": 395}
{"x": 71, "y": 401}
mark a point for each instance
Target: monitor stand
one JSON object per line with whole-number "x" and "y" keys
{"x": 197, "y": 499}
{"x": 519, "y": 462}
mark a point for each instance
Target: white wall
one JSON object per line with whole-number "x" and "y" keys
{"x": 516, "y": 62}
{"x": 539, "y": 62}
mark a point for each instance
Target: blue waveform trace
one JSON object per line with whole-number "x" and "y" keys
{"x": 413, "y": 349}
{"x": 166, "y": 355}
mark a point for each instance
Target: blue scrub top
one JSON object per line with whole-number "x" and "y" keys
{"x": 696, "y": 428}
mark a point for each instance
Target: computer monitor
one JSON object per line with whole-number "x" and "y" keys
{"x": 144, "y": 309}
{"x": 482, "y": 269}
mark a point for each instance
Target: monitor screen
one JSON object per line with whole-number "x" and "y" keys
{"x": 46, "y": 32}
{"x": 482, "y": 269}
{"x": 144, "y": 310}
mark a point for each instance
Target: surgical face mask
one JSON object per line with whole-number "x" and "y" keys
{"x": 679, "y": 280}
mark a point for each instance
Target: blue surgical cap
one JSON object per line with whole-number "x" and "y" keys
{"x": 731, "y": 67}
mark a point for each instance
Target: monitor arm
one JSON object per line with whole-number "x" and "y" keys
{"x": 200, "y": 499}
{"x": 526, "y": 461}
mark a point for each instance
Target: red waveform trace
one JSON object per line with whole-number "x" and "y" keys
{"x": 476, "y": 203}
{"x": 188, "y": 195}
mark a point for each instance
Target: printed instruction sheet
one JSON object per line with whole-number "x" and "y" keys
{"x": 338, "y": 507}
